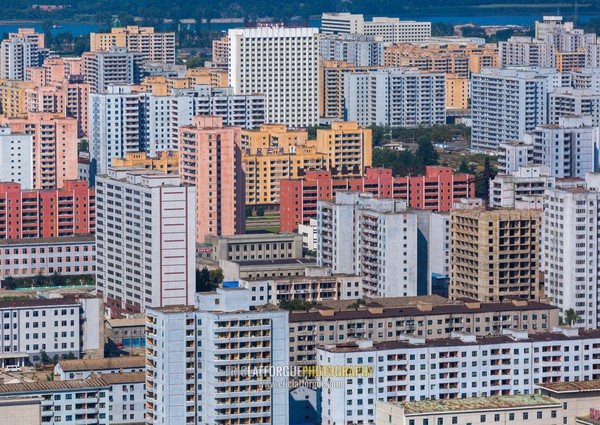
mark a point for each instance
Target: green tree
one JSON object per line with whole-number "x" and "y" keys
{"x": 57, "y": 279}
{"x": 207, "y": 281}
{"x": 260, "y": 211}
{"x": 44, "y": 358}
{"x": 427, "y": 154}
{"x": 465, "y": 168}
{"x": 215, "y": 277}
{"x": 9, "y": 283}
{"x": 296, "y": 305}
{"x": 248, "y": 212}
{"x": 50, "y": 377}
{"x": 571, "y": 317}
{"x": 357, "y": 304}
{"x": 83, "y": 145}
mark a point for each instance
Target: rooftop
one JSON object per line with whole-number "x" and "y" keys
{"x": 478, "y": 403}
{"x": 574, "y": 386}
{"x": 126, "y": 362}
{"x": 125, "y": 323}
{"x": 79, "y": 238}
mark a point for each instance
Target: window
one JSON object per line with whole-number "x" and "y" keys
{"x": 482, "y": 418}
{"x": 511, "y": 416}
{"x": 525, "y": 416}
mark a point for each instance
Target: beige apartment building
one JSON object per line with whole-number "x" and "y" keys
{"x": 494, "y": 254}
{"x": 430, "y": 317}
{"x": 156, "y": 46}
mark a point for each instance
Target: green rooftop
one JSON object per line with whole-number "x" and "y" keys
{"x": 478, "y": 403}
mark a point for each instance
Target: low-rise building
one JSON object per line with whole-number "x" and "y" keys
{"x": 28, "y": 257}
{"x": 67, "y": 370}
{"x": 462, "y": 366}
{"x": 255, "y": 247}
{"x": 58, "y": 326}
{"x": 128, "y": 334}
{"x": 240, "y": 270}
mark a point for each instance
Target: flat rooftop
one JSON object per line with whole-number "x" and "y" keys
{"x": 478, "y": 403}
{"x": 79, "y": 238}
{"x": 572, "y": 387}
{"x": 126, "y": 362}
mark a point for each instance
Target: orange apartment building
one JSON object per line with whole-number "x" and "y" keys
{"x": 437, "y": 190}
{"x": 210, "y": 158}
{"x": 54, "y": 147}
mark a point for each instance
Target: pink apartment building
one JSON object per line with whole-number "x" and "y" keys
{"x": 54, "y": 147}
{"x": 210, "y": 158}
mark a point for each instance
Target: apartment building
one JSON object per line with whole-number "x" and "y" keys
{"x": 358, "y": 234}
{"x": 255, "y": 247}
{"x": 54, "y": 145}
{"x": 220, "y": 53}
{"x": 144, "y": 239}
{"x": 390, "y": 319}
{"x": 47, "y": 213}
{"x": 349, "y": 146}
{"x": 506, "y": 103}
{"x": 521, "y": 189}
{"x": 570, "y": 61}
{"x": 549, "y": 24}
{"x": 437, "y": 190}
{"x": 462, "y": 366}
{"x": 331, "y": 87}
{"x": 16, "y": 157}
{"x": 282, "y": 64}
{"x": 494, "y": 254}
{"x": 569, "y": 249}
{"x": 354, "y": 49}
{"x": 210, "y": 159}
{"x": 220, "y": 336}
{"x": 277, "y": 267}
{"x": 514, "y": 155}
{"x": 117, "y": 65}
{"x": 457, "y": 92}
{"x": 569, "y": 148}
{"x": 272, "y": 153}
{"x": 129, "y": 119}
{"x": 391, "y": 30}
{"x": 516, "y": 408}
{"x": 21, "y": 50}
{"x": 156, "y": 46}
{"x": 526, "y": 51}
{"x": 167, "y": 162}
{"x": 396, "y": 97}
{"x": 215, "y": 77}
{"x": 450, "y": 59}
{"x": 568, "y": 101}
{"x": 54, "y": 325}
{"x": 569, "y": 40}
{"x": 111, "y": 399}
{"x": 13, "y": 97}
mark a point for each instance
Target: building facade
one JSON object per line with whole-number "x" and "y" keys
{"x": 156, "y": 46}
{"x": 144, "y": 239}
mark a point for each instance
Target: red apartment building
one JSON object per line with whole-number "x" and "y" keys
{"x": 48, "y": 213}
{"x": 437, "y": 190}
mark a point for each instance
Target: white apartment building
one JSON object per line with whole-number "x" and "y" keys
{"x": 115, "y": 66}
{"x": 514, "y": 155}
{"x": 570, "y": 253}
{"x": 569, "y": 148}
{"x": 587, "y": 78}
{"x": 549, "y": 24}
{"x": 506, "y": 103}
{"x": 123, "y": 120}
{"x": 522, "y": 189}
{"x": 374, "y": 238}
{"x": 564, "y": 40}
{"x": 569, "y": 101}
{"x": 18, "y": 53}
{"x": 16, "y": 158}
{"x": 145, "y": 239}
{"x": 356, "y": 49}
{"x": 194, "y": 354}
{"x": 462, "y": 366}
{"x": 391, "y": 30}
{"x": 525, "y": 51}
{"x": 55, "y": 325}
{"x": 396, "y": 97}
{"x": 282, "y": 64}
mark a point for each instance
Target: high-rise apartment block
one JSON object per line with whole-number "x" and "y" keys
{"x": 20, "y": 51}
{"x": 16, "y": 157}
{"x": 514, "y": 155}
{"x": 54, "y": 138}
{"x": 210, "y": 158}
{"x": 349, "y": 146}
{"x": 396, "y": 97}
{"x": 156, "y": 46}
{"x": 568, "y": 101}
{"x": 114, "y": 66}
{"x": 355, "y": 49}
{"x": 522, "y": 189}
{"x": 525, "y": 51}
{"x": 570, "y": 254}
{"x": 570, "y": 148}
{"x": 507, "y": 103}
{"x": 358, "y": 234}
{"x": 437, "y": 190}
{"x": 49, "y": 213}
{"x": 391, "y": 30}
{"x": 145, "y": 239}
{"x": 211, "y": 362}
{"x": 125, "y": 120}
{"x": 282, "y": 64}
{"x": 494, "y": 254}
{"x": 549, "y": 24}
